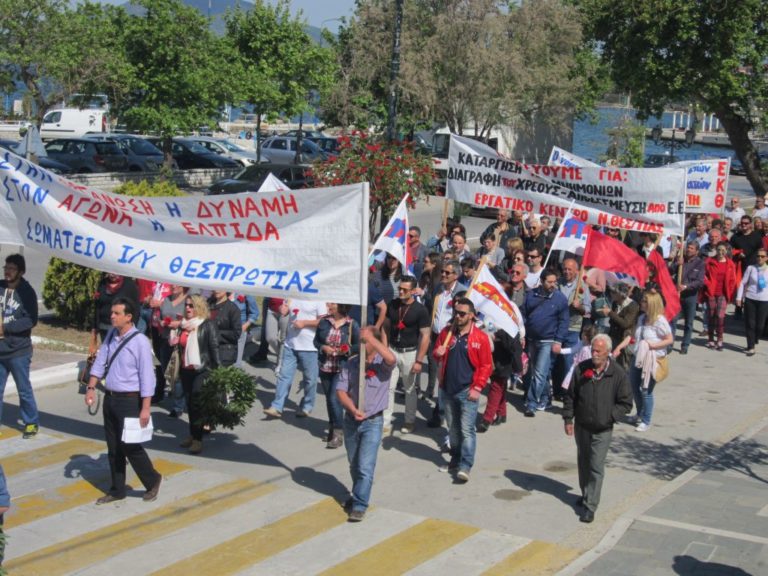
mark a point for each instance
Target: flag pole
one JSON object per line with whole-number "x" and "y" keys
{"x": 565, "y": 219}
{"x": 363, "y": 295}
{"x": 483, "y": 262}
{"x": 680, "y": 256}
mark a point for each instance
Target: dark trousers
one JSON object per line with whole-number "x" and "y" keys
{"x": 755, "y": 315}
{"x": 192, "y": 383}
{"x": 158, "y": 343}
{"x": 592, "y": 448}
{"x": 116, "y": 410}
{"x": 688, "y": 313}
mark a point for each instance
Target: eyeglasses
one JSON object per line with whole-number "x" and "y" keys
{"x": 460, "y": 314}
{"x": 533, "y": 256}
{"x": 412, "y": 236}
{"x": 762, "y": 255}
{"x": 516, "y": 273}
{"x": 445, "y": 272}
{"x": 189, "y": 305}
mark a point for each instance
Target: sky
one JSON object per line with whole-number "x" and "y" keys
{"x": 320, "y": 13}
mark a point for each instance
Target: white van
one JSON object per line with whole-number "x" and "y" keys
{"x": 73, "y": 122}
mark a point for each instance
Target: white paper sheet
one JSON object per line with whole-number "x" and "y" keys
{"x": 133, "y": 433}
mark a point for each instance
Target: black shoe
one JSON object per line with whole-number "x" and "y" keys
{"x": 434, "y": 423}
{"x": 683, "y": 351}
{"x": 587, "y": 517}
{"x": 173, "y": 414}
{"x": 348, "y": 505}
{"x": 580, "y": 501}
{"x": 108, "y": 499}
{"x": 529, "y": 413}
{"x": 483, "y": 426}
{"x": 499, "y": 420}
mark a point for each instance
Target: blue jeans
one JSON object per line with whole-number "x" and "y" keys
{"x": 362, "y": 440}
{"x": 688, "y": 312}
{"x": 332, "y": 403}
{"x": 643, "y": 397}
{"x": 540, "y": 361}
{"x": 292, "y": 359}
{"x": 461, "y": 413}
{"x": 563, "y": 362}
{"x": 19, "y": 368}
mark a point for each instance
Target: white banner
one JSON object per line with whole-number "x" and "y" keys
{"x": 628, "y": 198}
{"x": 560, "y": 157}
{"x": 706, "y": 181}
{"x": 308, "y": 244}
{"x": 706, "y": 184}
{"x": 491, "y": 301}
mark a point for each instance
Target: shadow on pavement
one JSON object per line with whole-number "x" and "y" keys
{"x": 689, "y": 566}
{"x": 667, "y": 461}
{"x": 538, "y": 483}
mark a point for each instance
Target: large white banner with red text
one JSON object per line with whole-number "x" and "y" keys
{"x": 629, "y": 198}
{"x": 706, "y": 181}
{"x": 309, "y": 244}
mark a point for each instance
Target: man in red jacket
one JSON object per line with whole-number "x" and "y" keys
{"x": 464, "y": 352}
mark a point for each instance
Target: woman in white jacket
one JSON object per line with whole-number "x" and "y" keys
{"x": 753, "y": 292}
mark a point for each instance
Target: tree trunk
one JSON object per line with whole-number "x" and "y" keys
{"x": 737, "y": 129}
{"x": 167, "y": 152}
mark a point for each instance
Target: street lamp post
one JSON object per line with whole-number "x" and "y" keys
{"x": 687, "y": 142}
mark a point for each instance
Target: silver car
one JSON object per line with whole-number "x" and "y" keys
{"x": 282, "y": 150}
{"x": 142, "y": 155}
{"x": 224, "y": 147}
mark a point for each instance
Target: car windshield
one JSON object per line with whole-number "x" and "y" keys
{"x": 107, "y": 148}
{"x": 142, "y": 147}
{"x": 196, "y": 148}
{"x": 251, "y": 173}
{"x": 229, "y": 146}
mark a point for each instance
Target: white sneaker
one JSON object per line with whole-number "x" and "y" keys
{"x": 642, "y": 427}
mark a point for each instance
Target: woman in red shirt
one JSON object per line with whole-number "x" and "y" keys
{"x": 719, "y": 289}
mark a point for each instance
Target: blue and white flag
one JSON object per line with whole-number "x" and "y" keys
{"x": 394, "y": 239}
{"x": 572, "y": 236}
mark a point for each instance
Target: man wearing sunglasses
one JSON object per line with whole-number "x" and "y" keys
{"x": 466, "y": 363}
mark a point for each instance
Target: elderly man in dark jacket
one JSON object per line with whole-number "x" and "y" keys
{"x": 598, "y": 397}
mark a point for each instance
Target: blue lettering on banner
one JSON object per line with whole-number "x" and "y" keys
{"x": 157, "y": 225}
{"x": 173, "y": 209}
{"x": 23, "y": 193}
{"x": 698, "y": 185}
{"x": 699, "y": 168}
{"x": 57, "y": 239}
{"x": 31, "y": 170}
{"x": 234, "y": 274}
{"x": 130, "y": 254}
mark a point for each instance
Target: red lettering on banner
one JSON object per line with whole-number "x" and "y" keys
{"x": 721, "y": 168}
{"x": 693, "y": 200}
{"x": 720, "y": 185}
{"x": 94, "y": 210}
{"x": 253, "y": 231}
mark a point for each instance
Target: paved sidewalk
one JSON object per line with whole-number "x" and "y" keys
{"x": 711, "y": 520}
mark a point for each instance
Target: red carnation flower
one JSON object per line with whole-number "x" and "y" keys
{"x": 295, "y": 311}
{"x": 240, "y": 298}
{"x": 401, "y": 325}
{"x": 589, "y": 373}
{"x": 344, "y": 348}
{"x": 167, "y": 321}
{"x": 370, "y": 373}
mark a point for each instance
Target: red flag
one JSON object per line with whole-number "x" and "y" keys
{"x": 660, "y": 275}
{"x": 614, "y": 256}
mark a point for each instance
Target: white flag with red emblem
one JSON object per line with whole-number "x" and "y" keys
{"x": 492, "y": 302}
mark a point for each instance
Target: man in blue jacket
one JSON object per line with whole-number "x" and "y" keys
{"x": 19, "y": 306}
{"x": 546, "y": 327}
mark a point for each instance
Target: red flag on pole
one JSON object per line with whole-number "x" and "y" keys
{"x": 660, "y": 275}
{"x": 613, "y": 256}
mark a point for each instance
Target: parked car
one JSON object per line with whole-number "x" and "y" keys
{"x": 188, "y": 154}
{"x": 250, "y": 179}
{"x": 43, "y": 161}
{"x": 659, "y": 160}
{"x": 83, "y": 155}
{"x": 228, "y": 149}
{"x": 304, "y": 134}
{"x": 142, "y": 155}
{"x": 282, "y": 149}
{"x": 737, "y": 168}
{"x": 328, "y": 145}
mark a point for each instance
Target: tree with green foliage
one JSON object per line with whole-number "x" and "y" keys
{"x": 710, "y": 53}
{"x": 68, "y": 288}
{"x": 281, "y": 64}
{"x": 483, "y": 63}
{"x": 627, "y": 147}
{"x": 55, "y": 50}
{"x": 183, "y": 74}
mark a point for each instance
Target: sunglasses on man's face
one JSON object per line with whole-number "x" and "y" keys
{"x": 460, "y": 314}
